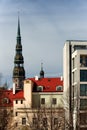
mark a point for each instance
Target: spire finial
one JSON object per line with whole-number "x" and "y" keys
{"x": 41, "y": 66}
{"x": 41, "y": 72}
{"x": 18, "y": 33}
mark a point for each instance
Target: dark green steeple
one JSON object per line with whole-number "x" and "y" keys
{"x": 41, "y": 72}
{"x": 18, "y": 33}
{"x": 18, "y": 72}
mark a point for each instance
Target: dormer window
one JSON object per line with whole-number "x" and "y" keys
{"x": 6, "y": 100}
{"x": 59, "y": 88}
{"x": 40, "y": 88}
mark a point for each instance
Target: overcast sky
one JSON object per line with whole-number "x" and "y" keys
{"x": 45, "y": 26}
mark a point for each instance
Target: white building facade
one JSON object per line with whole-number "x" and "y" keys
{"x": 39, "y": 108}
{"x": 75, "y": 83}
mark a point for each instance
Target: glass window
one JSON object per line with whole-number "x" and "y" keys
{"x": 23, "y": 121}
{"x": 40, "y": 88}
{"x": 34, "y": 121}
{"x": 16, "y": 114}
{"x": 16, "y": 124}
{"x": 83, "y": 104}
{"x": 16, "y": 101}
{"x": 21, "y": 101}
{"x": 42, "y": 100}
{"x": 83, "y": 75}
{"x": 83, "y": 89}
{"x": 83, "y": 118}
{"x": 83, "y": 60}
{"x": 54, "y": 101}
{"x": 44, "y": 121}
{"x": 78, "y": 47}
{"x": 59, "y": 88}
{"x": 73, "y": 63}
{"x": 55, "y": 121}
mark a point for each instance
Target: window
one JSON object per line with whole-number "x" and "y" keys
{"x": 44, "y": 121}
{"x": 59, "y": 88}
{"x": 73, "y": 63}
{"x": 16, "y": 101}
{"x": 83, "y": 60}
{"x": 6, "y": 100}
{"x": 23, "y": 121}
{"x": 83, "y": 89}
{"x": 27, "y": 81}
{"x": 83, "y": 104}
{"x": 21, "y": 101}
{"x": 83, "y": 75}
{"x": 16, "y": 114}
{"x": 40, "y": 88}
{"x": 34, "y": 121}
{"x": 42, "y": 100}
{"x": 54, "y": 101}
{"x": 83, "y": 118}
{"x": 55, "y": 121}
{"x": 78, "y": 47}
{"x": 16, "y": 124}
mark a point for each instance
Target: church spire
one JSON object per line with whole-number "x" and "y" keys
{"x": 18, "y": 33}
{"x": 18, "y": 72}
{"x": 41, "y": 72}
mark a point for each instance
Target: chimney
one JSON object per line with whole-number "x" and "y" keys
{"x": 61, "y": 78}
{"x": 36, "y": 77}
{"x": 13, "y": 88}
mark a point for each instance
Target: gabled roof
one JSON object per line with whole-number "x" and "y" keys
{"x": 7, "y": 97}
{"x": 49, "y": 84}
{"x": 18, "y": 95}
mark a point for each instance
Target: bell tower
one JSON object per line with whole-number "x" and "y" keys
{"x": 18, "y": 71}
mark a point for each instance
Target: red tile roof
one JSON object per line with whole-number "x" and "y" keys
{"x": 49, "y": 84}
{"x": 7, "y": 97}
{"x": 19, "y": 95}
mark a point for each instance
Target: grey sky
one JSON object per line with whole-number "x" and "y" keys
{"x": 45, "y": 26}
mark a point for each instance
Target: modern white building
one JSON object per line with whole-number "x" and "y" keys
{"x": 75, "y": 83}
